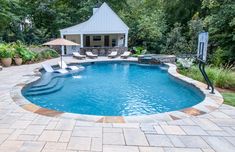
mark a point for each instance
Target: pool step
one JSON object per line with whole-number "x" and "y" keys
{"x": 50, "y": 85}
{"x": 56, "y": 88}
{"x": 44, "y": 81}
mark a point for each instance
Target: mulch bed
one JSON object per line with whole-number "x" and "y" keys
{"x": 221, "y": 90}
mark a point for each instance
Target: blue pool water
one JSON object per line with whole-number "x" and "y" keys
{"x": 113, "y": 89}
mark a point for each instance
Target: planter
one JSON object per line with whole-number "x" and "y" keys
{"x": 18, "y": 61}
{"x": 6, "y": 61}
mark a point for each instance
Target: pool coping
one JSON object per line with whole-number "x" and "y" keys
{"x": 209, "y": 104}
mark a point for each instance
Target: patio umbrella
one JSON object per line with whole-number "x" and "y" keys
{"x": 61, "y": 42}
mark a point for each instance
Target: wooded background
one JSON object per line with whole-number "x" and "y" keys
{"x": 161, "y": 26}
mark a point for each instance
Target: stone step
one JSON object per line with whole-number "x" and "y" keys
{"x": 50, "y": 85}
{"x": 58, "y": 87}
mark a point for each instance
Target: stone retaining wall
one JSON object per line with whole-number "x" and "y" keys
{"x": 156, "y": 59}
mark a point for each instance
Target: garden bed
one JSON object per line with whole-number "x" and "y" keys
{"x": 18, "y": 53}
{"x": 223, "y": 79}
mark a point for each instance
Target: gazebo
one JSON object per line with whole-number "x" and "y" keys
{"x": 103, "y": 31}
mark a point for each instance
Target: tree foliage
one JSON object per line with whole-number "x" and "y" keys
{"x": 220, "y": 23}
{"x": 175, "y": 42}
{"x": 147, "y": 26}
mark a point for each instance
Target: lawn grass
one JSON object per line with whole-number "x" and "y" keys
{"x": 229, "y": 98}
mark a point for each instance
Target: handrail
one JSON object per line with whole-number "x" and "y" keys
{"x": 202, "y": 69}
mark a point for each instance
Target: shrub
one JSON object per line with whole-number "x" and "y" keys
{"x": 138, "y": 51}
{"x": 225, "y": 79}
{"x": 23, "y": 52}
{"x": 38, "y": 57}
{"x": 49, "y": 53}
{"x": 176, "y": 42}
{"x": 19, "y": 50}
{"x": 26, "y": 54}
{"x": 220, "y": 77}
{"x": 6, "y": 51}
{"x": 186, "y": 62}
{"x": 217, "y": 58}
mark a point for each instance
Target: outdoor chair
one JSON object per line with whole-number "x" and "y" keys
{"x": 78, "y": 55}
{"x": 126, "y": 54}
{"x": 91, "y": 55}
{"x": 48, "y": 68}
{"x": 63, "y": 65}
{"x": 113, "y": 54}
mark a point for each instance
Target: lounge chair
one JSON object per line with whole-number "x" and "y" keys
{"x": 126, "y": 54}
{"x": 113, "y": 54}
{"x": 91, "y": 55}
{"x": 63, "y": 65}
{"x": 78, "y": 55}
{"x": 48, "y": 68}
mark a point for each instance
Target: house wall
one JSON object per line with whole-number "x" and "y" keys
{"x": 96, "y": 43}
{"x": 116, "y": 37}
{"x": 71, "y": 49}
{"x": 119, "y": 41}
{"x": 74, "y": 38}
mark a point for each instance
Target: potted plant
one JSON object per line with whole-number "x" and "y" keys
{"x": 18, "y": 57}
{"x": 18, "y": 60}
{"x": 6, "y": 54}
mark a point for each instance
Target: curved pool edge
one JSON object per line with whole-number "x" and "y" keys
{"x": 209, "y": 104}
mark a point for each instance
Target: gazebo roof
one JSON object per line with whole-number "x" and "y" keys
{"x": 103, "y": 21}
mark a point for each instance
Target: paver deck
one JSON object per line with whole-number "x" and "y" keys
{"x": 24, "y": 131}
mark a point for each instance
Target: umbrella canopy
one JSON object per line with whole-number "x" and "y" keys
{"x": 61, "y": 42}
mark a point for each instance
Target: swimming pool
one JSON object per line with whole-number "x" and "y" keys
{"x": 113, "y": 89}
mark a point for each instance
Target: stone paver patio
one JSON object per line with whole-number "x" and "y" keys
{"x": 24, "y": 131}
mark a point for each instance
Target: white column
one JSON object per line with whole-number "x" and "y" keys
{"x": 81, "y": 39}
{"x": 62, "y": 48}
{"x": 126, "y": 39}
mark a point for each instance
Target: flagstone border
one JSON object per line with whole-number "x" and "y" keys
{"x": 209, "y": 104}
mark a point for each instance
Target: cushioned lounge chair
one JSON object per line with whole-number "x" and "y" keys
{"x": 126, "y": 54}
{"x": 78, "y": 55}
{"x": 91, "y": 55}
{"x": 63, "y": 65}
{"x": 113, "y": 54}
{"x": 48, "y": 68}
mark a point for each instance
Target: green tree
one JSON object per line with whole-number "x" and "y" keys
{"x": 220, "y": 22}
{"x": 6, "y": 14}
{"x": 195, "y": 26}
{"x": 147, "y": 24}
{"x": 180, "y": 11}
{"x": 176, "y": 43}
